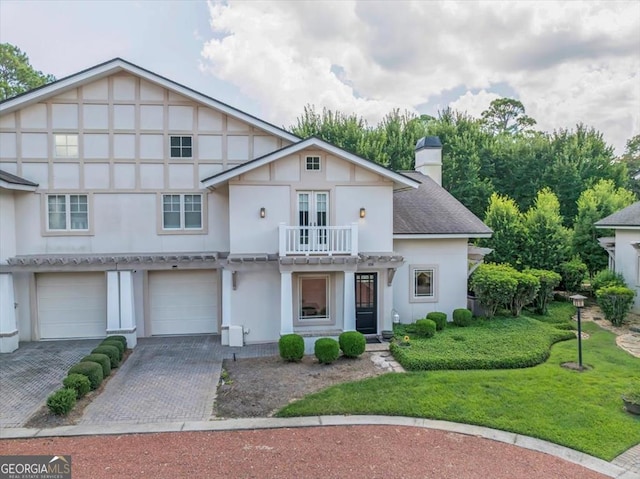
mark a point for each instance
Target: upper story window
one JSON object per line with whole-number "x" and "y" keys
{"x": 423, "y": 283}
{"x": 67, "y": 213}
{"x": 182, "y": 212}
{"x": 66, "y": 146}
{"x": 312, "y": 163}
{"x": 181, "y": 147}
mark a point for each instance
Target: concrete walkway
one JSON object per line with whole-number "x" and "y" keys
{"x": 589, "y": 462}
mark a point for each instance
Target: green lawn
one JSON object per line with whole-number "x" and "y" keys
{"x": 582, "y": 411}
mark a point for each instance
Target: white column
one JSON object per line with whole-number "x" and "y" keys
{"x": 286, "y": 303}
{"x": 121, "y": 317}
{"x": 127, "y": 309}
{"x": 9, "y": 336}
{"x": 113, "y": 301}
{"x": 349, "y": 314}
{"x": 227, "y": 288}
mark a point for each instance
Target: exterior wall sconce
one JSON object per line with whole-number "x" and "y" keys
{"x": 263, "y": 212}
{"x": 363, "y": 212}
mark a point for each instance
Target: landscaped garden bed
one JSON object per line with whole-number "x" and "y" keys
{"x": 580, "y": 410}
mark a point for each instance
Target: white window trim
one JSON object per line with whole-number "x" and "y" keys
{"x": 182, "y": 229}
{"x": 306, "y": 163}
{"x": 413, "y": 298}
{"x": 300, "y": 320}
{"x": 46, "y": 231}
{"x": 181, "y": 147}
{"x": 66, "y": 145}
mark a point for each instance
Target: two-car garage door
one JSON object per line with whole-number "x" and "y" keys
{"x": 74, "y": 305}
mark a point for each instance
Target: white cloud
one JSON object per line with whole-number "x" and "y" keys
{"x": 568, "y": 62}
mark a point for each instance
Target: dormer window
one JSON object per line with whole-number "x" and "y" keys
{"x": 313, "y": 163}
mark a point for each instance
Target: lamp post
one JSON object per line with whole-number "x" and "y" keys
{"x": 578, "y": 302}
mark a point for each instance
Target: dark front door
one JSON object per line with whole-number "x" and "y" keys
{"x": 367, "y": 303}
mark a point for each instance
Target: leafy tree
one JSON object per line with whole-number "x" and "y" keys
{"x": 508, "y": 239}
{"x": 631, "y": 158}
{"x": 573, "y": 273}
{"x": 594, "y": 204}
{"x": 548, "y": 281}
{"x": 506, "y": 115}
{"x": 16, "y": 73}
{"x": 548, "y": 242}
{"x": 527, "y": 289}
{"x": 579, "y": 159}
{"x": 465, "y": 148}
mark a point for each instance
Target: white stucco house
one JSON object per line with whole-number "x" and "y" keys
{"x": 133, "y": 205}
{"x": 624, "y": 247}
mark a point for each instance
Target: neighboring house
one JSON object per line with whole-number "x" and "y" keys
{"x": 133, "y": 205}
{"x": 624, "y": 247}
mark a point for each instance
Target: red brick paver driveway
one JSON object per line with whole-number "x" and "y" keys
{"x": 319, "y": 452}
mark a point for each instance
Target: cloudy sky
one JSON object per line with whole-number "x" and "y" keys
{"x": 567, "y": 62}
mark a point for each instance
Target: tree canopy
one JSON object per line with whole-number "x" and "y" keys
{"x": 16, "y": 73}
{"x": 506, "y": 115}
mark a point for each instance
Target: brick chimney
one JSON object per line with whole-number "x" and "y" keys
{"x": 429, "y": 158}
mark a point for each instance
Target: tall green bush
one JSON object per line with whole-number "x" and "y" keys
{"x": 494, "y": 286}
{"x": 548, "y": 281}
{"x": 605, "y": 278}
{"x": 615, "y": 302}
{"x": 526, "y": 290}
{"x": 572, "y": 274}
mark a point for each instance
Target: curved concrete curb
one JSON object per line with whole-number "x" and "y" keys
{"x": 519, "y": 440}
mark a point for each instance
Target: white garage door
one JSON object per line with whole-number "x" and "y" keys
{"x": 72, "y": 305}
{"x": 183, "y": 302}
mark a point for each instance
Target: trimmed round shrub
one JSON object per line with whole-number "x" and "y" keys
{"x": 122, "y": 339}
{"x": 462, "y": 317}
{"x": 327, "y": 350}
{"x": 439, "y": 318}
{"x": 79, "y": 382}
{"x": 291, "y": 347}
{"x": 62, "y": 401}
{"x": 425, "y": 328}
{"x": 110, "y": 350}
{"x": 93, "y": 371}
{"x": 102, "y": 359}
{"x": 117, "y": 344}
{"x": 352, "y": 343}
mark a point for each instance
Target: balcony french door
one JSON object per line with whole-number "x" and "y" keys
{"x": 313, "y": 219}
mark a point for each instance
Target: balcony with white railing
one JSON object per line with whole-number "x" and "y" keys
{"x": 318, "y": 240}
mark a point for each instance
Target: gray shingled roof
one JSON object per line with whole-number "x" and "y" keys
{"x": 15, "y": 180}
{"x": 430, "y": 209}
{"x": 629, "y": 216}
